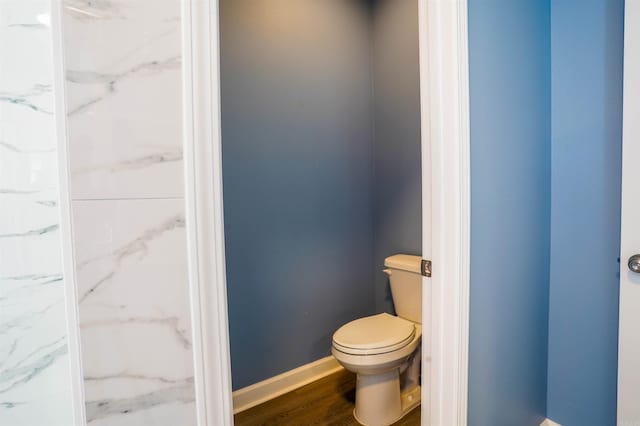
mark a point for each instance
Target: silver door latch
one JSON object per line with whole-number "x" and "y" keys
{"x": 634, "y": 263}
{"x": 425, "y": 268}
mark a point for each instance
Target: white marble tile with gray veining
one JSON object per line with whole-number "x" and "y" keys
{"x": 34, "y": 370}
{"x": 134, "y": 312}
{"x": 123, "y": 79}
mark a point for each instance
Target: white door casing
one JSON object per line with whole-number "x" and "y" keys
{"x": 629, "y": 337}
{"x": 204, "y": 211}
{"x": 444, "y": 86}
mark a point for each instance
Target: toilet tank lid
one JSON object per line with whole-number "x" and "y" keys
{"x": 404, "y": 262}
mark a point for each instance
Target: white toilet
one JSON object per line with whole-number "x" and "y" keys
{"x": 384, "y": 350}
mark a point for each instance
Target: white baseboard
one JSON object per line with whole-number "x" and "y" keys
{"x": 549, "y": 422}
{"x": 260, "y": 392}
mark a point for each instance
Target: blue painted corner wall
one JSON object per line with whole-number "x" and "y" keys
{"x": 321, "y": 170}
{"x": 546, "y": 123}
{"x": 296, "y": 147}
{"x": 586, "y": 130}
{"x": 510, "y": 90}
{"x": 397, "y": 173}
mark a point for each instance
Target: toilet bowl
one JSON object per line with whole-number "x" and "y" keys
{"x": 384, "y": 350}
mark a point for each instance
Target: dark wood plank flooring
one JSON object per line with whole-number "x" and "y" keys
{"x": 328, "y": 401}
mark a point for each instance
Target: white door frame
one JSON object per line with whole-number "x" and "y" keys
{"x": 444, "y": 83}
{"x": 204, "y": 212}
{"x": 628, "y": 411}
{"x": 445, "y": 140}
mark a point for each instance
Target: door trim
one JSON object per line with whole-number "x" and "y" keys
{"x": 444, "y": 97}
{"x": 628, "y": 345}
{"x": 444, "y": 82}
{"x": 204, "y": 212}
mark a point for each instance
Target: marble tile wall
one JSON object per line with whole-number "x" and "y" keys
{"x": 35, "y": 386}
{"x": 123, "y": 82}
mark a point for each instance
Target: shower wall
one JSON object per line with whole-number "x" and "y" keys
{"x": 35, "y": 387}
{"x": 124, "y": 100}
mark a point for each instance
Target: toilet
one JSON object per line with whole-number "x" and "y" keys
{"x": 384, "y": 350}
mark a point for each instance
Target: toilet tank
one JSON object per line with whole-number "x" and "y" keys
{"x": 406, "y": 285}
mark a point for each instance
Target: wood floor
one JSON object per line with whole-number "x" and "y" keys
{"x": 328, "y": 401}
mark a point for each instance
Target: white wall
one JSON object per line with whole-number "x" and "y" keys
{"x": 34, "y": 373}
{"x": 124, "y": 107}
{"x": 123, "y": 86}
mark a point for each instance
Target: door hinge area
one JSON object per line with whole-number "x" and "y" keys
{"x": 425, "y": 268}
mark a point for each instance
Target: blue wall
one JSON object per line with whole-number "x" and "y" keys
{"x": 320, "y": 131}
{"x": 586, "y": 46}
{"x": 510, "y": 209}
{"x": 397, "y": 195}
{"x": 296, "y": 136}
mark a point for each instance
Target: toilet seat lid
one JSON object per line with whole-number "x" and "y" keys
{"x": 374, "y": 334}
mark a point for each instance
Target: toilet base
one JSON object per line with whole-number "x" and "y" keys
{"x": 379, "y": 401}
